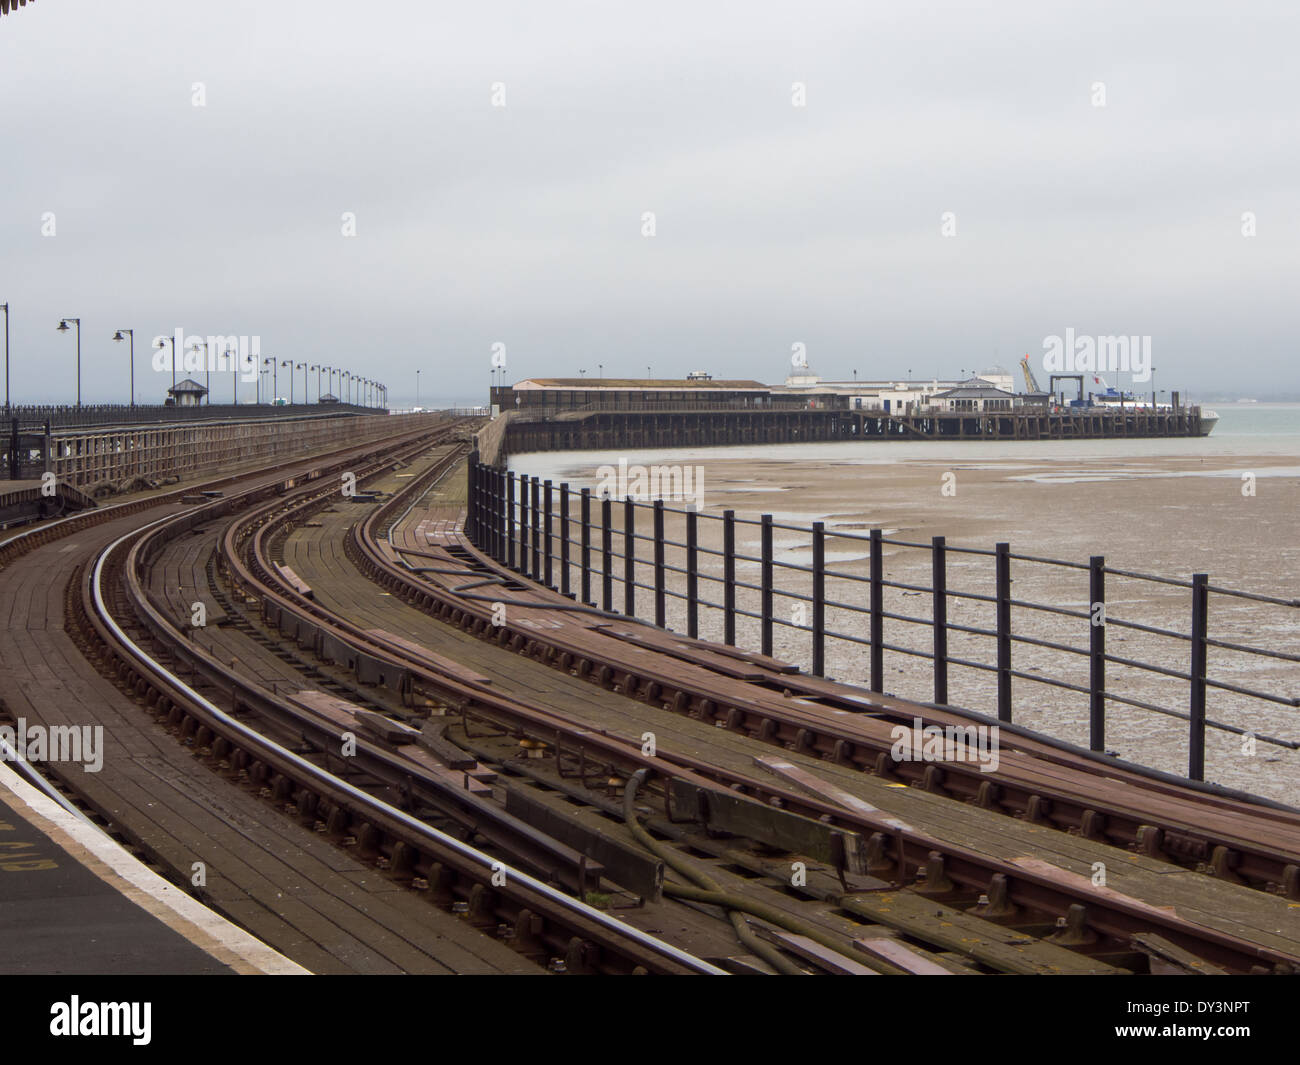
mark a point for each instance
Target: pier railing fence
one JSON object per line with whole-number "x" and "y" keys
{"x": 619, "y": 556}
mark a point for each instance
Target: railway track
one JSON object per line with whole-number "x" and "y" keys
{"x": 1086, "y": 916}
{"x": 1230, "y": 836}
{"x": 410, "y": 819}
{"x": 270, "y": 741}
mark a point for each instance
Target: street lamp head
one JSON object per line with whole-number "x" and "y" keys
{"x": 118, "y": 335}
{"x": 63, "y": 326}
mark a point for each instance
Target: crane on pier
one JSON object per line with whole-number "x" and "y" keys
{"x": 1030, "y": 383}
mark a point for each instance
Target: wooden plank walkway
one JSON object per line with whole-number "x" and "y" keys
{"x": 287, "y": 885}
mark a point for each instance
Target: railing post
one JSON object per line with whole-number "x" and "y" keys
{"x": 564, "y": 538}
{"x": 501, "y": 515}
{"x": 1097, "y": 653}
{"x": 939, "y": 570}
{"x": 729, "y": 577}
{"x": 471, "y": 501}
{"x": 629, "y": 557}
{"x": 766, "y": 582}
{"x": 494, "y": 514}
{"x": 819, "y": 599}
{"x": 484, "y": 510}
{"x": 661, "y": 610}
{"x": 692, "y": 574}
{"x": 585, "y": 549}
{"x": 510, "y": 518}
{"x": 877, "y": 611}
{"x": 607, "y": 554}
{"x": 546, "y": 511}
{"x": 477, "y": 490}
{"x": 1200, "y": 632}
{"x": 523, "y": 523}
{"x": 1002, "y": 562}
{"x": 537, "y": 529}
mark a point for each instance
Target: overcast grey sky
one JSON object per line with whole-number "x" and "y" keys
{"x": 774, "y": 224}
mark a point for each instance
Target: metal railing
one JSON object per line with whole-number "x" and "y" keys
{"x": 582, "y": 545}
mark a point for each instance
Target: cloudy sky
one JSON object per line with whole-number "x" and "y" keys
{"x": 524, "y": 224}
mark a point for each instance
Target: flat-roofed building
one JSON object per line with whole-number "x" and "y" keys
{"x": 555, "y": 395}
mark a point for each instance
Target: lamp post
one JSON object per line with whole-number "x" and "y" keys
{"x": 119, "y": 338}
{"x": 202, "y": 346}
{"x": 290, "y": 365}
{"x": 159, "y": 345}
{"x": 234, "y": 373}
{"x": 303, "y": 367}
{"x": 327, "y": 381}
{"x": 63, "y": 328}
{"x": 5, "y": 306}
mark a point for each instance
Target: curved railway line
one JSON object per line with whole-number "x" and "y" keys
{"x": 1091, "y": 916}
{"x": 118, "y": 618}
{"x": 354, "y": 726}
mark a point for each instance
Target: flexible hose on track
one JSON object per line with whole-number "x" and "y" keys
{"x": 711, "y": 887}
{"x": 709, "y": 891}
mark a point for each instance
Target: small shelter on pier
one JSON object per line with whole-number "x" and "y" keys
{"x": 188, "y": 393}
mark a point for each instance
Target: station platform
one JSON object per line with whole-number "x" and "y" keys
{"x": 74, "y": 902}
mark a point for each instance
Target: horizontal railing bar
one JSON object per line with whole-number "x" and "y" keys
{"x": 1049, "y": 561}
{"x": 1173, "y": 581}
{"x": 1162, "y": 670}
{"x": 1273, "y": 599}
{"x": 1037, "y": 641}
{"x": 1243, "y": 649}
